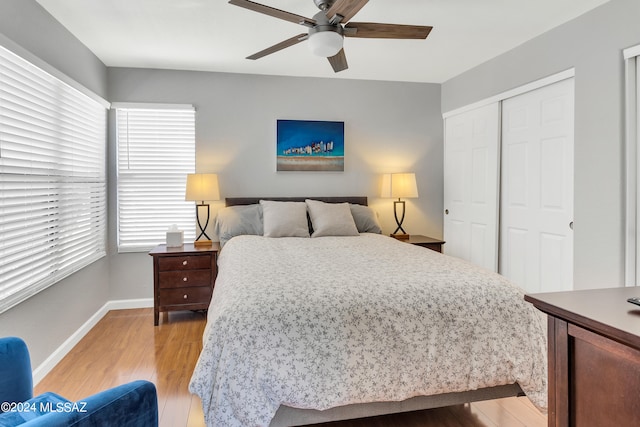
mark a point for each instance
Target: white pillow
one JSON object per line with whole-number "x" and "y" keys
{"x": 284, "y": 219}
{"x": 331, "y": 219}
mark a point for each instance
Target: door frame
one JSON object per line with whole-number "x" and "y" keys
{"x": 545, "y": 81}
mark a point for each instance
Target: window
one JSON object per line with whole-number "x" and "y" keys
{"x": 52, "y": 179}
{"x": 156, "y": 151}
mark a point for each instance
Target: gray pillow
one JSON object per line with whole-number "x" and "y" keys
{"x": 366, "y": 219}
{"x": 284, "y": 219}
{"x": 238, "y": 220}
{"x": 331, "y": 219}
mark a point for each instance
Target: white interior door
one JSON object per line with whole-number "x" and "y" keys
{"x": 536, "y": 238}
{"x": 471, "y": 168}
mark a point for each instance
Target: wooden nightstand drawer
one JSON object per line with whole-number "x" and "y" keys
{"x": 187, "y": 262}
{"x": 185, "y": 296}
{"x": 187, "y": 278}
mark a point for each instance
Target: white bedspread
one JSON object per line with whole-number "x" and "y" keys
{"x": 324, "y": 322}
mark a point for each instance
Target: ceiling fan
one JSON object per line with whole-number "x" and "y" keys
{"x": 328, "y": 28}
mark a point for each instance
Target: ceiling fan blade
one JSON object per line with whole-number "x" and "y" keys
{"x": 338, "y": 61}
{"x": 345, "y": 8}
{"x": 282, "y": 45}
{"x": 271, "y": 11}
{"x": 386, "y": 31}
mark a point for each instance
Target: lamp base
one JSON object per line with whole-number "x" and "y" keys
{"x": 400, "y": 236}
{"x": 199, "y": 243}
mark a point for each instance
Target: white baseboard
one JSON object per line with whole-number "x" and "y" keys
{"x": 125, "y": 304}
{"x": 50, "y": 362}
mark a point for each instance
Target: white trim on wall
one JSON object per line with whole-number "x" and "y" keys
{"x": 150, "y": 105}
{"x": 545, "y": 81}
{"x": 635, "y": 133}
{"x": 631, "y": 165}
{"x": 50, "y": 362}
{"x": 631, "y": 52}
{"x": 631, "y": 57}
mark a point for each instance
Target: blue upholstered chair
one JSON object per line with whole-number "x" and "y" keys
{"x": 132, "y": 404}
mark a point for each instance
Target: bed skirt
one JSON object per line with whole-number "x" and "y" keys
{"x": 287, "y": 416}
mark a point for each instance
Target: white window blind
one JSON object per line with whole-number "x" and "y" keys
{"x": 52, "y": 180}
{"x": 156, "y": 151}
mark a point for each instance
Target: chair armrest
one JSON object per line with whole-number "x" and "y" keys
{"x": 16, "y": 380}
{"x": 129, "y": 405}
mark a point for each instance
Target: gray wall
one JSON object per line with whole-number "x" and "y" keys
{"x": 593, "y": 44}
{"x": 47, "y": 319}
{"x": 26, "y": 23}
{"x": 389, "y": 127}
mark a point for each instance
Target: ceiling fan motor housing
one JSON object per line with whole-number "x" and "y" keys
{"x": 324, "y": 4}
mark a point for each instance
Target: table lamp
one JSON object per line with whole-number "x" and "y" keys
{"x": 202, "y": 187}
{"x": 399, "y": 185}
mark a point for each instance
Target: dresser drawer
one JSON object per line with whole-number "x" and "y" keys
{"x": 186, "y": 296}
{"x": 186, "y": 262}
{"x": 186, "y": 278}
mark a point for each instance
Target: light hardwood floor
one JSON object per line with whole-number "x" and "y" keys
{"x": 125, "y": 346}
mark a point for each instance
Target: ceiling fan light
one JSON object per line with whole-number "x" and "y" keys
{"x": 325, "y": 43}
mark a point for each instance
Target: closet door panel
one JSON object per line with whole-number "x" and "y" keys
{"x": 471, "y": 169}
{"x": 537, "y": 188}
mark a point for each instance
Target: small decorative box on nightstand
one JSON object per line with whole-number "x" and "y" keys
{"x": 183, "y": 277}
{"x": 426, "y": 242}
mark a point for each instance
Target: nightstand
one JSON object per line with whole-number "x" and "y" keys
{"x": 426, "y": 242}
{"x": 183, "y": 277}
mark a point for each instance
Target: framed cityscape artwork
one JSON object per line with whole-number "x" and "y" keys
{"x": 308, "y": 145}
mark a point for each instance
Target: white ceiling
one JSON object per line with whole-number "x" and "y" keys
{"x": 212, "y": 35}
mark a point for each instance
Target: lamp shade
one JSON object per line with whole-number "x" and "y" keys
{"x": 202, "y": 186}
{"x": 399, "y": 185}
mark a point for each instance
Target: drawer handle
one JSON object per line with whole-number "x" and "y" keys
{"x": 184, "y": 279}
{"x": 185, "y": 296}
{"x": 185, "y": 262}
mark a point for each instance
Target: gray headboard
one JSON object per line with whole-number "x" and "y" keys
{"x": 234, "y": 201}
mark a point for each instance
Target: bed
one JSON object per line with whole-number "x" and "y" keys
{"x": 351, "y": 324}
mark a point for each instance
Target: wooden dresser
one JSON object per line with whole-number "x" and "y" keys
{"x": 183, "y": 277}
{"x": 594, "y": 357}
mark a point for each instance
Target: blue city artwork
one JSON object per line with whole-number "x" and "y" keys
{"x": 308, "y": 145}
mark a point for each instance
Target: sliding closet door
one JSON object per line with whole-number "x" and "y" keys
{"x": 471, "y": 185}
{"x": 536, "y": 238}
